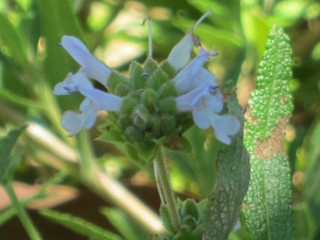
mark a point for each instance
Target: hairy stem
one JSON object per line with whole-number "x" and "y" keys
{"x": 165, "y": 190}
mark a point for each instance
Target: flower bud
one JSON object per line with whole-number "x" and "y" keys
{"x": 150, "y": 65}
{"x": 168, "y": 106}
{"x": 167, "y": 90}
{"x": 149, "y": 98}
{"x": 155, "y": 124}
{"x": 168, "y": 69}
{"x": 158, "y": 78}
{"x": 137, "y": 75}
{"x": 128, "y": 105}
{"x": 190, "y": 208}
{"x": 115, "y": 79}
{"x": 168, "y": 124}
{"x": 122, "y": 89}
{"x": 133, "y": 133}
{"x": 140, "y": 116}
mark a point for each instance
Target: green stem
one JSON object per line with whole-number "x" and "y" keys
{"x": 165, "y": 190}
{"x": 87, "y": 162}
{"x": 22, "y": 214}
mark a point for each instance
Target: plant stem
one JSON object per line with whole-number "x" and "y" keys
{"x": 165, "y": 190}
{"x": 22, "y": 214}
{"x": 87, "y": 162}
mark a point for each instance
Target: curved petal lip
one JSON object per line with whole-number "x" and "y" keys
{"x": 60, "y": 89}
{"x": 201, "y": 119}
{"x": 71, "y": 122}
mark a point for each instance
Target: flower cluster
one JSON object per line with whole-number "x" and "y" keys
{"x": 154, "y": 101}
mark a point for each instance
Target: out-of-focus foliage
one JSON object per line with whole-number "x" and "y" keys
{"x": 6, "y": 145}
{"x": 31, "y": 63}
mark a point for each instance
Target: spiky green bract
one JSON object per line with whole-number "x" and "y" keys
{"x": 267, "y": 207}
{"x": 148, "y": 116}
{"x": 191, "y": 220}
{"x": 233, "y": 174}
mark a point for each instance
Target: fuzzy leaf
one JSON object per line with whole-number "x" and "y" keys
{"x": 233, "y": 173}
{"x": 165, "y": 217}
{"x": 137, "y": 76}
{"x": 267, "y": 208}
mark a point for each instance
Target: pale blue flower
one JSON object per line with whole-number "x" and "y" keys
{"x": 71, "y": 84}
{"x": 197, "y": 88}
{"x": 180, "y": 54}
{"x": 102, "y": 100}
{"x": 95, "y": 101}
{"x": 90, "y": 66}
{"x": 74, "y": 122}
{"x": 205, "y": 102}
{"x": 193, "y": 74}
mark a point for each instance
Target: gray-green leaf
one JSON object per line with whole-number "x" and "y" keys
{"x": 267, "y": 207}
{"x": 233, "y": 172}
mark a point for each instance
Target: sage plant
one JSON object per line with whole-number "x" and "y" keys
{"x": 148, "y": 111}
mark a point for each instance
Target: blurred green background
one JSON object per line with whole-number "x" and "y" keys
{"x": 31, "y": 63}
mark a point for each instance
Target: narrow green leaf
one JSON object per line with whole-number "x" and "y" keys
{"x": 57, "y": 19}
{"x": 13, "y": 97}
{"x": 79, "y": 225}
{"x": 311, "y": 193}
{"x": 255, "y": 28}
{"x": 6, "y": 215}
{"x": 10, "y": 38}
{"x": 6, "y": 144}
{"x": 313, "y": 164}
{"x": 22, "y": 214}
{"x": 215, "y": 35}
{"x": 233, "y": 173}
{"x": 267, "y": 208}
{"x": 10, "y": 212}
{"x": 124, "y": 225}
